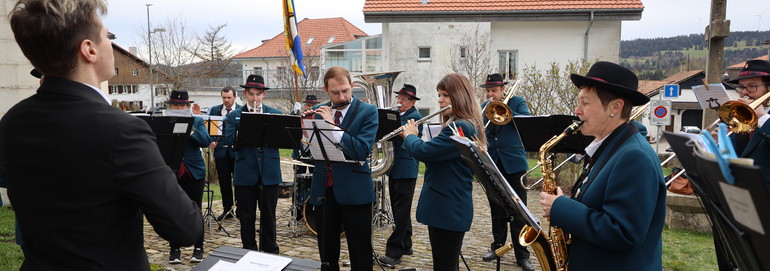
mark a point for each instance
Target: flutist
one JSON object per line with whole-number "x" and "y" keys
{"x": 508, "y": 153}
{"x": 616, "y": 213}
{"x": 402, "y": 179}
{"x": 257, "y": 174}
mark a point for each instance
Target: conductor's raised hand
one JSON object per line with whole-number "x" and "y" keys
{"x": 409, "y": 129}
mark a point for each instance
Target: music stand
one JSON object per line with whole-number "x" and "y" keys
{"x": 536, "y": 130}
{"x": 172, "y": 134}
{"x": 268, "y": 131}
{"x": 215, "y": 125}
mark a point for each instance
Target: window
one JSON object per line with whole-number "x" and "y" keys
{"x": 122, "y": 89}
{"x": 310, "y": 40}
{"x": 134, "y": 72}
{"x": 331, "y": 40}
{"x": 258, "y": 71}
{"x": 116, "y": 71}
{"x": 463, "y": 51}
{"x": 423, "y": 53}
{"x": 161, "y": 91}
{"x": 507, "y": 64}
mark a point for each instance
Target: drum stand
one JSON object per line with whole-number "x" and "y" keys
{"x": 381, "y": 213}
{"x": 294, "y": 213}
{"x": 209, "y": 214}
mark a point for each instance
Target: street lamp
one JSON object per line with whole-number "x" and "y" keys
{"x": 149, "y": 45}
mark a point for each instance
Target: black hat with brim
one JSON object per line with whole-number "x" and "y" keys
{"x": 408, "y": 90}
{"x": 310, "y": 99}
{"x": 494, "y": 80}
{"x": 255, "y": 81}
{"x": 179, "y": 97}
{"x": 613, "y": 78}
{"x": 753, "y": 68}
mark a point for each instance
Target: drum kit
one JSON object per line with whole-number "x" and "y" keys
{"x": 301, "y": 213}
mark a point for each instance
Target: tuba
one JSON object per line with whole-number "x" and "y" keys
{"x": 377, "y": 87}
{"x": 551, "y": 249}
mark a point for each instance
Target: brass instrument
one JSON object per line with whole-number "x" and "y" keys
{"x": 498, "y": 112}
{"x": 551, "y": 250}
{"x": 740, "y": 117}
{"x": 418, "y": 122}
{"x": 378, "y": 88}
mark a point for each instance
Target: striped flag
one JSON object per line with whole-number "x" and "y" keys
{"x": 293, "y": 42}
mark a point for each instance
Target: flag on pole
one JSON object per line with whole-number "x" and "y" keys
{"x": 293, "y": 42}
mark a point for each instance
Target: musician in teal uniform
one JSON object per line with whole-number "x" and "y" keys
{"x": 508, "y": 153}
{"x": 446, "y": 200}
{"x": 192, "y": 172}
{"x": 257, "y": 173}
{"x": 754, "y": 82}
{"x": 618, "y": 206}
{"x": 223, "y": 153}
{"x": 343, "y": 193}
{"x": 402, "y": 179}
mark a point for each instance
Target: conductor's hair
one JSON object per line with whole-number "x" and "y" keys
{"x": 50, "y": 32}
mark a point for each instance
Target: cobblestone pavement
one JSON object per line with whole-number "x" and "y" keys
{"x": 303, "y": 244}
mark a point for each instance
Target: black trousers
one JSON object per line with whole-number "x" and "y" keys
{"x": 501, "y": 218}
{"x": 446, "y": 246}
{"x": 225, "y": 168}
{"x": 357, "y": 223}
{"x": 249, "y": 198}
{"x": 401, "y": 193}
{"x": 194, "y": 189}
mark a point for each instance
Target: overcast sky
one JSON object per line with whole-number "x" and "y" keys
{"x": 251, "y": 21}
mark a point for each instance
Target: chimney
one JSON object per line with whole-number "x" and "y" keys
{"x": 132, "y": 50}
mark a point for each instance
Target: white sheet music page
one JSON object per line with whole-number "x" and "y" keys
{"x": 332, "y": 152}
{"x": 742, "y": 206}
{"x": 713, "y": 97}
{"x": 261, "y": 262}
{"x": 222, "y": 266}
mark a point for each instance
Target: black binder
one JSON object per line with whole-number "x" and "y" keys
{"x": 172, "y": 134}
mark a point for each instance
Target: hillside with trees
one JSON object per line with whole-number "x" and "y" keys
{"x": 655, "y": 59}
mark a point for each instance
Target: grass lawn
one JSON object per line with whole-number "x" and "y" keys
{"x": 10, "y": 254}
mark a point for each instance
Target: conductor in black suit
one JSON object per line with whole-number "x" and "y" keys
{"x": 80, "y": 172}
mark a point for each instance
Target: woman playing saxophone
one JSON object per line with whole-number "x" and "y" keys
{"x": 616, "y": 213}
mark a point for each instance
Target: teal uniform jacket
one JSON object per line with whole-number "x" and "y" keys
{"x": 221, "y": 150}
{"x": 756, "y": 147}
{"x": 404, "y": 165}
{"x": 253, "y": 163}
{"x": 504, "y": 143}
{"x": 352, "y": 182}
{"x": 618, "y": 221}
{"x": 192, "y": 153}
{"x": 446, "y": 199}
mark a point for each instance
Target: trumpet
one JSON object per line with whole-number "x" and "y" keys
{"x": 333, "y": 107}
{"x": 420, "y": 121}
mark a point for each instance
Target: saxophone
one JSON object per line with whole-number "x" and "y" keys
{"x": 551, "y": 249}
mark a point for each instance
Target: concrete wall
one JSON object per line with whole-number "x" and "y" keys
{"x": 15, "y": 81}
{"x": 400, "y": 45}
{"x": 540, "y": 43}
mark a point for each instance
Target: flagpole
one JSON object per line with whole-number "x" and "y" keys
{"x": 296, "y": 87}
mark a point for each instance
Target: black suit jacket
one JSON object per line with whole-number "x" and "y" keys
{"x": 80, "y": 174}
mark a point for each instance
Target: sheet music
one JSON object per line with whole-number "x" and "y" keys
{"x": 742, "y": 207}
{"x": 222, "y": 266}
{"x": 261, "y": 261}
{"x": 711, "y": 98}
{"x": 177, "y": 113}
{"x": 332, "y": 152}
{"x": 434, "y": 129}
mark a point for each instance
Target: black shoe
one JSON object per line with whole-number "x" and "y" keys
{"x": 197, "y": 255}
{"x": 408, "y": 252}
{"x": 390, "y": 260}
{"x": 489, "y": 256}
{"x": 174, "y": 255}
{"x": 224, "y": 216}
{"x": 525, "y": 265}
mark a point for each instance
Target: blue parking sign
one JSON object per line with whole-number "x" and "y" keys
{"x": 671, "y": 91}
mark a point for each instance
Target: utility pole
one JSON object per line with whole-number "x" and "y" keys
{"x": 716, "y": 32}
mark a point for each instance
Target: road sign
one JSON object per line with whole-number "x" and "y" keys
{"x": 671, "y": 91}
{"x": 660, "y": 112}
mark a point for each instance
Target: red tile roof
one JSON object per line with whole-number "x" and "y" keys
{"x": 318, "y": 29}
{"x": 374, "y": 6}
{"x": 740, "y": 66}
{"x": 650, "y": 87}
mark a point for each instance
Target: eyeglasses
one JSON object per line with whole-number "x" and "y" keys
{"x": 749, "y": 88}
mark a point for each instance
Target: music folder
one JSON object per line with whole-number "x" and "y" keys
{"x": 172, "y": 134}
{"x": 389, "y": 121}
{"x": 536, "y": 130}
{"x": 214, "y": 124}
{"x": 268, "y": 131}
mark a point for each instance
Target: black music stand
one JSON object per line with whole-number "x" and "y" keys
{"x": 536, "y": 130}
{"x": 389, "y": 121}
{"x": 268, "y": 131}
{"x": 172, "y": 134}
{"x": 216, "y": 127}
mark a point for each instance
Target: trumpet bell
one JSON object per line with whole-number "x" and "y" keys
{"x": 498, "y": 113}
{"x": 738, "y": 116}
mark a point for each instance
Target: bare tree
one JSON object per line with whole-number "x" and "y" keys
{"x": 215, "y": 52}
{"x": 470, "y": 56}
{"x": 173, "y": 51}
{"x": 551, "y": 91}
{"x": 310, "y": 85}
